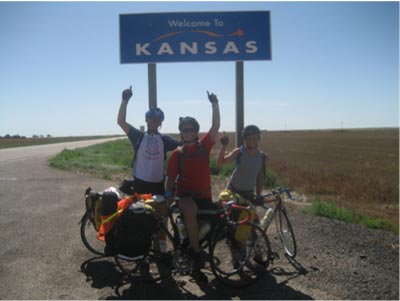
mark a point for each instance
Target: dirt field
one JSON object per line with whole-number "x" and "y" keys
{"x": 358, "y": 169}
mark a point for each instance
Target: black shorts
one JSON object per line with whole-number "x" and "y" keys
{"x": 207, "y": 204}
{"x": 248, "y": 195}
{"x": 141, "y": 186}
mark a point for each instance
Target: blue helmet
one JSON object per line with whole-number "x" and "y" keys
{"x": 155, "y": 113}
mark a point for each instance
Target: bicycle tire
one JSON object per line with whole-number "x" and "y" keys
{"x": 89, "y": 236}
{"x": 285, "y": 233}
{"x": 150, "y": 267}
{"x": 239, "y": 264}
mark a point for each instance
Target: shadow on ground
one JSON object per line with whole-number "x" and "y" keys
{"x": 102, "y": 272}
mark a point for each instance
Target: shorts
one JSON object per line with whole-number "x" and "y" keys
{"x": 247, "y": 194}
{"x": 142, "y": 187}
{"x": 207, "y": 204}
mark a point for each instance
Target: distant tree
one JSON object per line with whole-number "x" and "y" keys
{"x": 48, "y": 136}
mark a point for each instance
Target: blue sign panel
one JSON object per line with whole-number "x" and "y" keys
{"x": 191, "y": 37}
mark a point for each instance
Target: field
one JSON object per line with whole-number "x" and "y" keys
{"x": 357, "y": 169}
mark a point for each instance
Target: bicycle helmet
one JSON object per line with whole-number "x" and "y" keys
{"x": 155, "y": 113}
{"x": 188, "y": 120}
{"x": 250, "y": 130}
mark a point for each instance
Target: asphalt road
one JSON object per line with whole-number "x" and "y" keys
{"x": 41, "y": 253}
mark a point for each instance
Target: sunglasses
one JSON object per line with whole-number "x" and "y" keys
{"x": 187, "y": 130}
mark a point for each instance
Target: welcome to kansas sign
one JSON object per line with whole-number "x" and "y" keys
{"x": 195, "y": 36}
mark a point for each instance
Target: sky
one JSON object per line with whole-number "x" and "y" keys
{"x": 334, "y": 65}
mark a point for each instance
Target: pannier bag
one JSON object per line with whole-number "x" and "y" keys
{"x": 242, "y": 232}
{"x": 109, "y": 206}
{"x": 132, "y": 232}
{"x": 93, "y": 204}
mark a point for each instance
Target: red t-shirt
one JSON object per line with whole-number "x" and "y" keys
{"x": 196, "y": 175}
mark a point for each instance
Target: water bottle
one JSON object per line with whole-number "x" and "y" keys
{"x": 204, "y": 230}
{"x": 181, "y": 228}
{"x": 267, "y": 218}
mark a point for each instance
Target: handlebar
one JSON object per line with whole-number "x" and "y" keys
{"x": 279, "y": 191}
{"x": 231, "y": 205}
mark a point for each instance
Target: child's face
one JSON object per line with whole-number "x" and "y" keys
{"x": 188, "y": 133}
{"x": 252, "y": 141}
{"x": 153, "y": 123}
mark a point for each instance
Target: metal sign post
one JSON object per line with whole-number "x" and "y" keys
{"x": 239, "y": 103}
{"x": 152, "y": 79}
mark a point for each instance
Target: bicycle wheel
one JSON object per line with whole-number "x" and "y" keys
{"x": 150, "y": 267}
{"x": 285, "y": 233}
{"x": 89, "y": 236}
{"x": 239, "y": 263}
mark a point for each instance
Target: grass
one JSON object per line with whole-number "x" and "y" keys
{"x": 358, "y": 170}
{"x": 107, "y": 160}
{"x": 331, "y": 210}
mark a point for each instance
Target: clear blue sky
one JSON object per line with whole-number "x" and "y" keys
{"x": 332, "y": 63}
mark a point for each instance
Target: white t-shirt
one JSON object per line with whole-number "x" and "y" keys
{"x": 149, "y": 165}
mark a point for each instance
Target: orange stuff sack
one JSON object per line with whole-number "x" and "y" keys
{"x": 112, "y": 207}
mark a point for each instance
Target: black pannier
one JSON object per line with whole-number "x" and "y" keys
{"x": 133, "y": 231}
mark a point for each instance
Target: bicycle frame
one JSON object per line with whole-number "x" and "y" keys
{"x": 283, "y": 225}
{"x": 275, "y": 209}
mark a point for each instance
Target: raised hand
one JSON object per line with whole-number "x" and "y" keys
{"x": 212, "y": 98}
{"x": 127, "y": 94}
{"x": 224, "y": 139}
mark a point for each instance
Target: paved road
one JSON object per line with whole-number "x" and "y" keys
{"x": 41, "y": 254}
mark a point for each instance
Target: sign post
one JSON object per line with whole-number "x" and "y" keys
{"x": 239, "y": 102}
{"x": 196, "y": 37}
{"x": 152, "y": 80}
